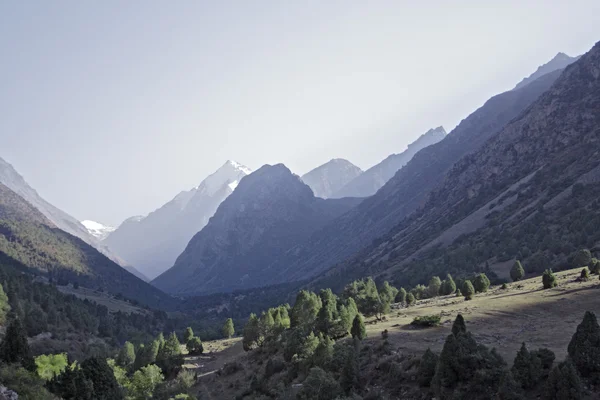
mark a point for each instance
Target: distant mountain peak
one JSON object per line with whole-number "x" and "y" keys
{"x": 330, "y": 177}
{"x": 559, "y": 61}
{"x": 97, "y": 229}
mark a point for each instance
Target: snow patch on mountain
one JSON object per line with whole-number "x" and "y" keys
{"x": 97, "y": 229}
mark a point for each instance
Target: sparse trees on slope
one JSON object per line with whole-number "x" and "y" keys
{"x": 584, "y": 348}
{"x": 517, "y": 272}
{"x": 4, "y": 306}
{"x": 14, "y": 347}
{"x": 228, "y": 329}
{"x": 548, "y": 279}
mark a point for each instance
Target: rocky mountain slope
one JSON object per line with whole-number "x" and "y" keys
{"x": 330, "y": 177}
{"x": 407, "y": 190}
{"x": 560, "y": 61}
{"x": 368, "y": 183}
{"x": 26, "y": 235}
{"x": 152, "y": 243}
{"x": 270, "y": 211}
{"x": 96, "y": 229}
{"x": 530, "y": 192}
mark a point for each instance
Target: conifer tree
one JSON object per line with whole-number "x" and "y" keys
{"x": 585, "y": 275}
{"x": 582, "y": 258}
{"x": 410, "y": 299}
{"x": 324, "y": 352}
{"x": 169, "y": 357}
{"x": 401, "y": 296}
{"x": 305, "y": 309}
{"x": 229, "y": 330}
{"x": 481, "y": 283}
{"x": 548, "y": 279}
{"x": 584, "y": 348}
{"x": 251, "y": 333}
{"x": 448, "y": 286}
{"x": 517, "y": 272}
{"x": 427, "y": 367}
{"x": 72, "y": 384}
{"x": 188, "y": 334}
{"x": 509, "y": 389}
{"x": 194, "y": 346}
{"x": 103, "y": 380}
{"x": 527, "y": 368}
{"x": 358, "y": 328}
{"x": 326, "y": 315}
{"x": 468, "y": 290}
{"x": 563, "y": 383}
{"x": 350, "y": 373}
{"x": 459, "y": 325}
{"x": 14, "y": 347}
{"x": 266, "y": 324}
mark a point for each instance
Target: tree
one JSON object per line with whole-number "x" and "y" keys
{"x": 548, "y": 279}
{"x": 99, "y": 373}
{"x": 595, "y": 266}
{"x": 581, "y": 258}
{"x": 585, "y": 275}
{"x": 509, "y": 389}
{"x": 401, "y": 296}
{"x": 327, "y": 314}
{"x": 448, "y": 286}
{"x": 481, "y": 283}
{"x": 229, "y": 330}
{"x": 251, "y": 333}
{"x": 388, "y": 293}
{"x": 517, "y": 272}
{"x": 319, "y": 385}
{"x": 72, "y": 384}
{"x": 435, "y": 284}
{"x": 410, "y": 299}
{"x": 527, "y": 368}
{"x": 305, "y": 309}
{"x": 126, "y": 357}
{"x": 468, "y": 290}
{"x": 324, "y": 352}
{"x": 266, "y": 324}
{"x": 459, "y": 325}
{"x": 194, "y": 346}
{"x": 169, "y": 357}
{"x": 349, "y": 374}
{"x": 4, "y": 306}
{"x": 14, "y": 347}
{"x": 427, "y": 367}
{"x": 50, "y": 365}
{"x": 358, "y": 328}
{"x": 25, "y": 384}
{"x": 188, "y": 334}
{"x": 584, "y": 347}
{"x": 144, "y": 382}
{"x": 300, "y": 344}
{"x": 563, "y": 383}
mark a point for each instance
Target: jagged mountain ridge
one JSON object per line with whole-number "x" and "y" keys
{"x": 519, "y": 183}
{"x": 407, "y": 190}
{"x": 270, "y": 211}
{"x": 28, "y": 236}
{"x": 368, "y": 183}
{"x": 560, "y": 61}
{"x": 153, "y": 243}
{"x": 330, "y": 177}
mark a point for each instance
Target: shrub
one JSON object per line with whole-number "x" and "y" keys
{"x": 384, "y": 334}
{"x": 581, "y": 258}
{"x": 595, "y": 266}
{"x": 427, "y": 368}
{"x": 458, "y": 293}
{"x": 585, "y": 275}
{"x": 517, "y": 272}
{"x": 504, "y": 286}
{"x": 231, "y": 368}
{"x": 584, "y": 348}
{"x": 426, "y": 321}
{"x": 194, "y": 346}
{"x": 410, "y": 299}
{"x": 448, "y": 286}
{"x": 548, "y": 279}
{"x": 273, "y": 366}
{"x": 468, "y": 290}
{"x": 481, "y": 283}
{"x": 319, "y": 385}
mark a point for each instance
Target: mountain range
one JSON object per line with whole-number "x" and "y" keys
{"x": 152, "y": 243}
{"x": 327, "y": 179}
{"x": 560, "y": 61}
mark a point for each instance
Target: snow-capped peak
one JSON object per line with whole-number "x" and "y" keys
{"x": 229, "y": 173}
{"x": 239, "y": 166}
{"x": 233, "y": 185}
{"x": 97, "y": 229}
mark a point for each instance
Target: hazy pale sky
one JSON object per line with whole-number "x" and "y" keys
{"x": 111, "y": 108}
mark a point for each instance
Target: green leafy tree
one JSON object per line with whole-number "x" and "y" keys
{"x": 305, "y": 309}
{"x": 319, "y": 385}
{"x": 25, "y": 383}
{"x": 4, "y": 306}
{"x": 266, "y": 325}
{"x": 584, "y": 347}
{"x": 14, "y": 347}
{"x": 563, "y": 383}
{"x": 388, "y": 293}
{"x": 548, "y": 279}
{"x": 119, "y": 373}
{"x": 188, "y": 334}
{"x": 50, "y": 365}
{"x": 358, "y": 328}
{"x": 99, "y": 373}
{"x": 126, "y": 357}
{"x": 251, "y": 333}
{"x": 144, "y": 382}
{"x": 517, "y": 272}
{"x": 326, "y": 316}
{"x": 468, "y": 290}
{"x": 448, "y": 286}
{"x": 481, "y": 283}
{"x": 228, "y": 329}
{"x": 595, "y": 266}
{"x": 299, "y": 344}
{"x": 410, "y": 299}
{"x": 401, "y": 296}
{"x": 581, "y": 258}
{"x": 435, "y": 284}
{"x": 427, "y": 368}
{"x": 169, "y": 357}
{"x": 194, "y": 346}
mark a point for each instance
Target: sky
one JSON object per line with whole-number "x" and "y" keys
{"x": 109, "y": 109}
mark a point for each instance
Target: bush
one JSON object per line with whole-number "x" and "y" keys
{"x": 427, "y": 321}
{"x": 468, "y": 290}
{"x": 548, "y": 279}
{"x": 595, "y": 266}
{"x": 481, "y": 283}
{"x": 458, "y": 293}
{"x": 319, "y": 385}
{"x": 585, "y": 275}
{"x": 410, "y": 299}
{"x": 581, "y": 258}
{"x": 435, "y": 284}
{"x": 231, "y": 368}
{"x": 427, "y": 368}
{"x": 194, "y": 346}
{"x": 504, "y": 286}
{"x": 401, "y": 296}
{"x": 517, "y": 272}
{"x": 273, "y": 367}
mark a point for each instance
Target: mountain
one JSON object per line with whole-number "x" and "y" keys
{"x": 375, "y": 177}
{"x": 529, "y": 192}
{"x": 270, "y": 210}
{"x": 331, "y": 177}
{"x": 97, "y": 230}
{"x": 407, "y": 190}
{"x": 28, "y": 236}
{"x": 152, "y": 243}
{"x": 560, "y": 61}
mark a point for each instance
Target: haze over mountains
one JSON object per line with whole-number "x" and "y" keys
{"x": 152, "y": 243}
{"x": 560, "y": 61}
{"x": 327, "y": 179}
